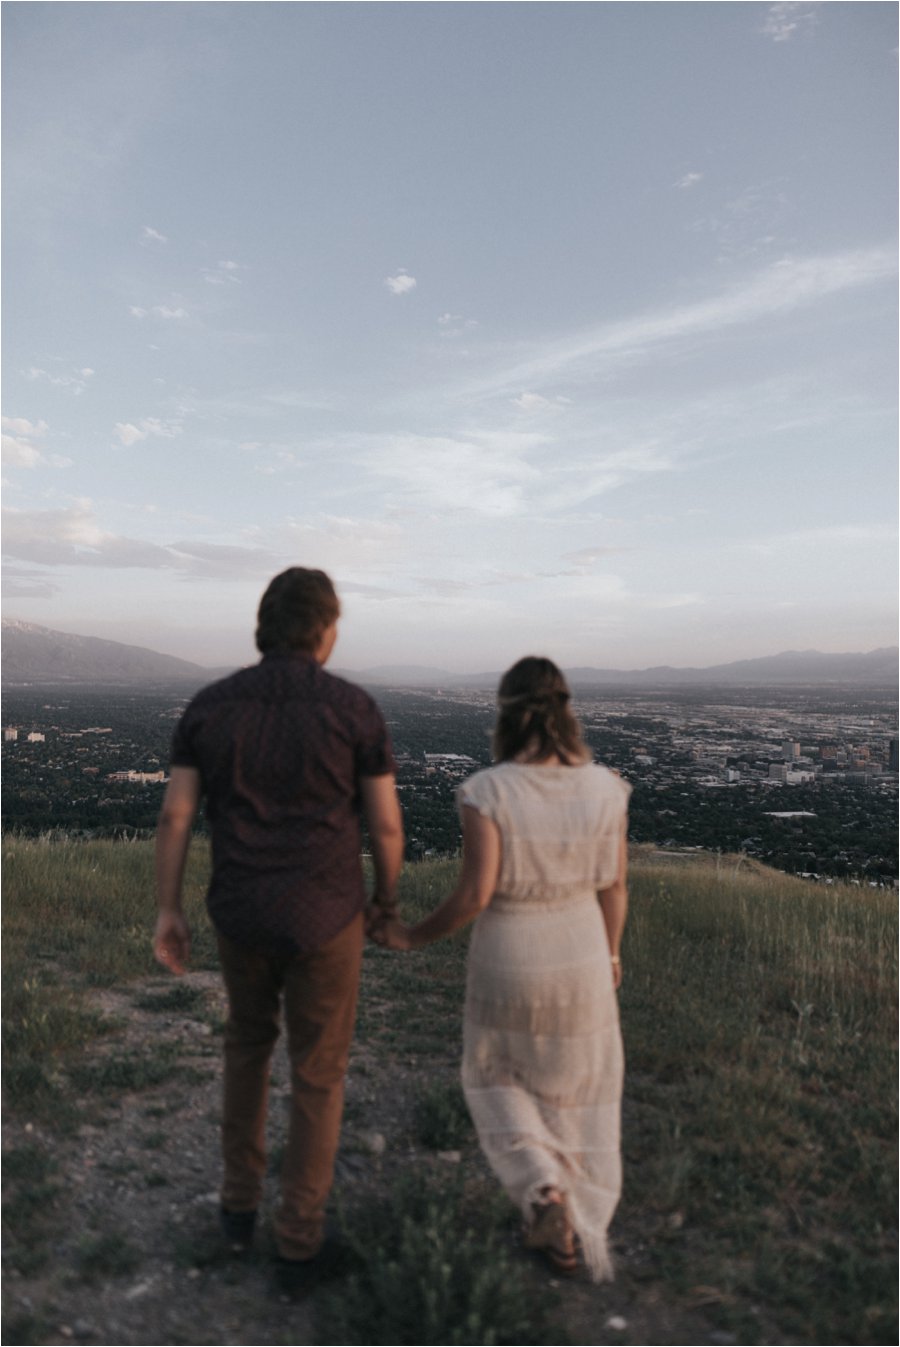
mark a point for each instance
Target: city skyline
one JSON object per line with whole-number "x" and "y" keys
{"x": 538, "y": 327}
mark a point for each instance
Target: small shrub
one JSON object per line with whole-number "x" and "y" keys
{"x": 442, "y": 1118}
{"x": 433, "y": 1271}
{"x": 122, "y": 1073}
{"x": 25, "y": 1329}
{"x": 31, "y": 1189}
{"x": 106, "y": 1255}
{"x": 181, "y": 997}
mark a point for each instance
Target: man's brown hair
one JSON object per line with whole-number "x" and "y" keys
{"x": 296, "y": 610}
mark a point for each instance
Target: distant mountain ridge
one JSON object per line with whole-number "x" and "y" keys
{"x": 35, "y": 654}
{"x": 874, "y": 668}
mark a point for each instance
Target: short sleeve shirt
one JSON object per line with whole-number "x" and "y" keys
{"x": 560, "y": 827}
{"x": 280, "y": 748}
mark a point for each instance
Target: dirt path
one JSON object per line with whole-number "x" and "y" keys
{"x": 131, "y": 1251}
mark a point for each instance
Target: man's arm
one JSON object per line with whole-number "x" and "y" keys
{"x": 172, "y": 938}
{"x": 385, "y": 822}
{"x": 614, "y": 906}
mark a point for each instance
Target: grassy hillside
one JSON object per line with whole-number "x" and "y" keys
{"x": 759, "y": 1118}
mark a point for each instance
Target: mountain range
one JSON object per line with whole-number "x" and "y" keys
{"x": 35, "y": 654}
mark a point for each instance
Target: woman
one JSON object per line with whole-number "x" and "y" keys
{"x": 544, "y": 838}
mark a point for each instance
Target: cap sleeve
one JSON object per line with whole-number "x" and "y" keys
{"x": 479, "y": 792}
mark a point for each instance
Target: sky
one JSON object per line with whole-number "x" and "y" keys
{"x": 565, "y": 329}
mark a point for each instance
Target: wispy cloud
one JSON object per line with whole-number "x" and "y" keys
{"x": 587, "y": 557}
{"x": 828, "y": 535}
{"x": 354, "y": 548}
{"x": 74, "y": 537}
{"x": 401, "y": 283}
{"x": 785, "y": 21}
{"x": 23, "y": 582}
{"x": 157, "y": 311}
{"x": 455, "y": 324}
{"x": 127, "y": 433}
{"x": 536, "y": 402}
{"x": 689, "y": 180}
{"x": 18, "y": 425}
{"x": 223, "y": 273}
{"x": 18, "y": 450}
{"x": 772, "y": 292}
{"x": 486, "y": 472}
{"x": 151, "y": 235}
{"x": 76, "y": 381}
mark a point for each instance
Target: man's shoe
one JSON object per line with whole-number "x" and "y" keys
{"x": 238, "y": 1227}
{"x": 297, "y": 1277}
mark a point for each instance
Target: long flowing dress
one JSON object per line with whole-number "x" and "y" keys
{"x": 542, "y": 1051}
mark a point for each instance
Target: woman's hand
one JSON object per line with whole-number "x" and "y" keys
{"x": 616, "y": 971}
{"x": 392, "y": 933}
{"x": 377, "y": 913}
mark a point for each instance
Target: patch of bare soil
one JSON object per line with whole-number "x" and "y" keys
{"x": 132, "y": 1247}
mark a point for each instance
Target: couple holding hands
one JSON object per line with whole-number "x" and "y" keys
{"x": 285, "y": 757}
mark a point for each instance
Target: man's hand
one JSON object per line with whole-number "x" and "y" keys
{"x": 376, "y": 915}
{"x": 391, "y": 933}
{"x": 172, "y": 942}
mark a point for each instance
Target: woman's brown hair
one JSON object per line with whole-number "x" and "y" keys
{"x": 534, "y": 720}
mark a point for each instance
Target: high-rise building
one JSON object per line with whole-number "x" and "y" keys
{"x": 893, "y": 759}
{"x": 790, "y": 750}
{"x": 10, "y": 735}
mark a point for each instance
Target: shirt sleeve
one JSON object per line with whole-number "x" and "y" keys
{"x": 374, "y": 753}
{"x": 183, "y": 753}
{"x": 479, "y": 793}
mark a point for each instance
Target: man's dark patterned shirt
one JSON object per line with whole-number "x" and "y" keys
{"x": 280, "y": 748}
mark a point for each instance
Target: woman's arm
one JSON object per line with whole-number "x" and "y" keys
{"x": 614, "y": 906}
{"x": 473, "y": 892}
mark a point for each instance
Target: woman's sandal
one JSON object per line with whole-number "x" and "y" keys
{"x": 552, "y": 1235}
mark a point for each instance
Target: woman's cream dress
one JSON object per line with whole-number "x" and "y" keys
{"x": 542, "y": 1059}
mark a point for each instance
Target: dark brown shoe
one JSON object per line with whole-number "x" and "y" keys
{"x": 238, "y": 1228}
{"x": 296, "y": 1278}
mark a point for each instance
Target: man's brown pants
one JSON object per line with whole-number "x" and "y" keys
{"x": 320, "y": 993}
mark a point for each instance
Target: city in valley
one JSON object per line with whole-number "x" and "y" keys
{"x": 803, "y": 779}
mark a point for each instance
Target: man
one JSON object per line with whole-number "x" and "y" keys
{"x": 286, "y": 756}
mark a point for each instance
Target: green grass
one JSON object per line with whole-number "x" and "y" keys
{"x": 434, "y": 1267}
{"x": 31, "y": 1188}
{"x": 758, "y": 1015}
{"x": 106, "y": 1255}
{"x": 178, "y": 998}
{"x": 442, "y": 1118}
{"x": 759, "y": 1116}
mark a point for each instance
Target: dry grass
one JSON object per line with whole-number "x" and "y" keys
{"x": 759, "y": 1019}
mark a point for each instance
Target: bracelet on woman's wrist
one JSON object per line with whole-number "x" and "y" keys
{"x": 614, "y": 958}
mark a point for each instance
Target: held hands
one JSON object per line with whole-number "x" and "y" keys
{"x": 172, "y": 942}
{"x": 385, "y": 928}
